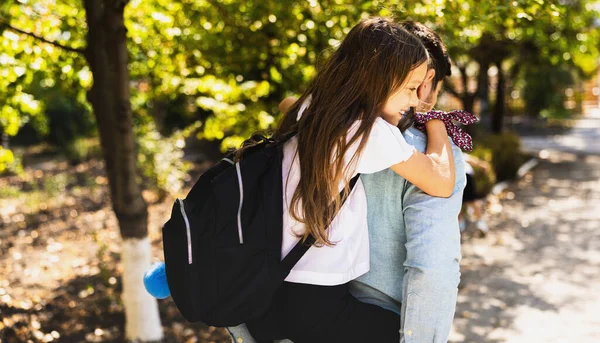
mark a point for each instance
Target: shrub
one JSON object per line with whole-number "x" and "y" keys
{"x": 505, "y": 150}
{"x": 9, "y": 162}
{"x": 484, "y": 175}
{"x": 82, "y": 149}
{"x": 160, "y": 159}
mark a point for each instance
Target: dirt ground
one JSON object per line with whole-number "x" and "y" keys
{"x": 536, "y": 276}
{"x": 59, "y": 259}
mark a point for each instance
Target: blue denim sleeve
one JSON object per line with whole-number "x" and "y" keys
{"x": 430, "y": 284}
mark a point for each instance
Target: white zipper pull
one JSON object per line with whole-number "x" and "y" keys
{"x": 187, "y": 228}
{"x": 239, "y": 214}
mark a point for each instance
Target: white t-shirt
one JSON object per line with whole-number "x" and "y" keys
{"x": 349, "y": 258}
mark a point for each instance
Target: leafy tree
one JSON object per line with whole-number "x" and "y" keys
{"x": 147, "y": 68}
{"x": 227, "y": 58}
{"x": 100, "y": 51}
{"x": 506, "y": 35}
{"x": 33, "y": 58}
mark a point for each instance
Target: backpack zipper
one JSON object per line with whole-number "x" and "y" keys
{"x": 239, "y": 214}
{"x": 187, "y": 229}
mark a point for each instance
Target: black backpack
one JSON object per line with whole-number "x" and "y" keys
{"x": 222, "y": 244}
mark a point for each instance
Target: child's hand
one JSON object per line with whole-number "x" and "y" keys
{"x": 462, "y": 139}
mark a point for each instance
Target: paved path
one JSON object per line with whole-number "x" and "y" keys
{"x": 536, "y": 276}
{"x": 584, "y": 137}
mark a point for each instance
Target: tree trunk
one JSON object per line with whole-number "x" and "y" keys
{"x": 484, "y": 88}
{"x": 109, "y": 96}
{"x": 468, "y": 102}
{"x": 467, "y": 99}
{"x": 499, "y": 106}
{"x": 5, "y": 140}
{"x": 159, "y": 113}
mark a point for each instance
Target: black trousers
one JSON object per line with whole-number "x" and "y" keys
{"x": 325, "y": 314}
{"x": 470, "y": 191}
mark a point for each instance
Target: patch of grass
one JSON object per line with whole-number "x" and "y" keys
{"x": 82, "y": 149}
{"x": 9, "y": 192}
{"x": 34, "y": 200}
{"x": 560, "y": 123}
{"x": 57, "y": 184}
{"x": 86, "y": 180}
{"x": 502, "y": 151}
{"x": 40, "y": 196}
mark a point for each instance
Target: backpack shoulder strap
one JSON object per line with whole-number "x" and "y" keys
{"x": 287, "y": 136}
{"x": 290, "y": 260}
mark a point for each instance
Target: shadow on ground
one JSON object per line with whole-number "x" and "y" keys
{"x": 88, "y": 309}
{"x": 541, "y": 257}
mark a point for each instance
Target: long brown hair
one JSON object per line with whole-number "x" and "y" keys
{"x": 354, "y": 83}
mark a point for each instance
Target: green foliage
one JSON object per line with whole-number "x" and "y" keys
{"x": 6, "y": 157}
{"x": 544, "y": 90}
{"x": 68, "y": 118}
{"x": 518, "y": 35}
{"x": 8, "y": 192}
{"x": 7, "y": 160}
{"x": 555, "y": 112}
{"x": 161, "y": 159}
{"x": 484, "y": 175}
{"x": 56, "y": 184}
{"x": 27, "y": 64}
{"x": 223, "y": 66}
{"x": 18, "y": 111}
{"x": 79, "y": 150}
{"x": 502, "y": 151}
{"x": 235, "y": 60}
{"x": 68, "y": 125}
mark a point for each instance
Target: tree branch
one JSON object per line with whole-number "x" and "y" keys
{"x": 464, "y": 78}
{"x": 42, "y": 39}
{"x": 514, "y": 72}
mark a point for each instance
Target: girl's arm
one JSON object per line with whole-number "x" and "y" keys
{"x": 286, "y": 103}
{"x": 432, "y": 172}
